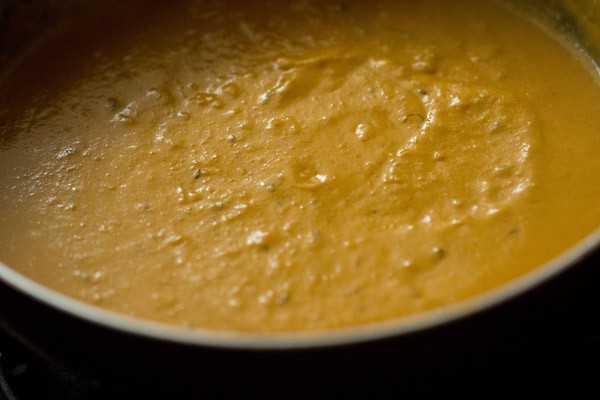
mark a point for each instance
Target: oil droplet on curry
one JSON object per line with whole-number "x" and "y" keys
{"x": 301, "y": 165}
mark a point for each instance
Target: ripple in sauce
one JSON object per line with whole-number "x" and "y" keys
{"x": 301, "y": 165}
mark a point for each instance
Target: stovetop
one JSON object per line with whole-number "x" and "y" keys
{"x": 553, "y": 345}
{"x": 24, "y": 376}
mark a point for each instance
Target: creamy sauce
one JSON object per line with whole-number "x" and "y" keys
{"x": 302, "y": 165}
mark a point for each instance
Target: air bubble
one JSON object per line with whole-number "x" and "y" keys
{"x": 363, "y": 131}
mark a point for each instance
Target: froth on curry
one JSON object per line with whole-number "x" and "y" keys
{"x": 301, "y": 165}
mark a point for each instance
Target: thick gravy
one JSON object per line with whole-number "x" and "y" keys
{"x": 301, "y": 165}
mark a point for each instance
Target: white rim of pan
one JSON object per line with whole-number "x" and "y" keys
{"x": 301, "y": 340}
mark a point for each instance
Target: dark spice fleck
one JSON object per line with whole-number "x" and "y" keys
{"x": 514, "y": 231}
{"x": 414, "y": 119}
{"x": 197, "y": 174}
{"x": 439, "y": 253}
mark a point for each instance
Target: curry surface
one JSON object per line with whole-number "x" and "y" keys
{"x": 302, "y": 165}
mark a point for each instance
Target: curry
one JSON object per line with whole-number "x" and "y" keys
{"x": 302, "y": 165}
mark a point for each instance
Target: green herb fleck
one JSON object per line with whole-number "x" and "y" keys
{"x": 112, "y": 104}
{"x": 340, "y": 7}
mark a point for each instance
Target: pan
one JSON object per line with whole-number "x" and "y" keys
{"x": 122, "y": 352}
